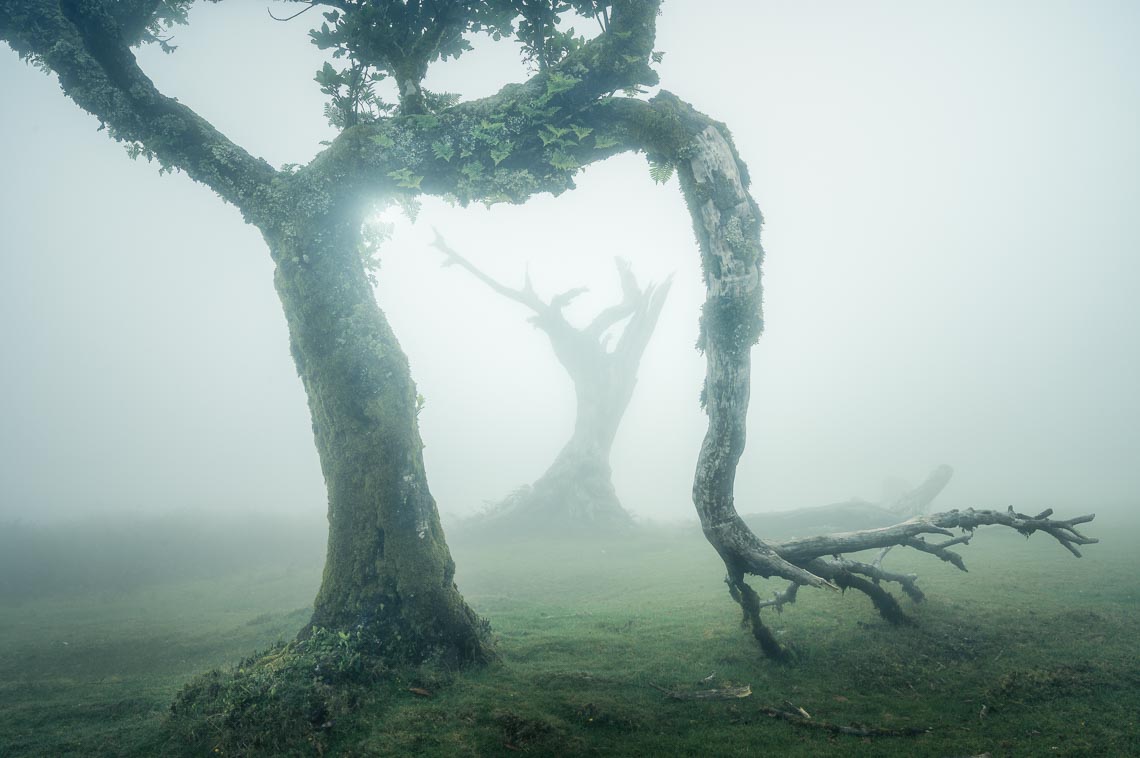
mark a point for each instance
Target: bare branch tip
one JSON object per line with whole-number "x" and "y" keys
{"x": 290, "y": 18}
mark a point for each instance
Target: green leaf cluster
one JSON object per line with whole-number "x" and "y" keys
{"x": 352, "y": 94}
{"x": 405, "y": 178}
{"x": 543, "y": 42}
{"x": 149, "y": 21}
{"x": 660, "y": 171}
{"x": 399, "y": 39}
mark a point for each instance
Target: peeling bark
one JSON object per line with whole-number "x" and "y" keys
{"x": 727, "y": 223}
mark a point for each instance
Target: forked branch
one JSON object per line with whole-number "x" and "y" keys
{"x": 639, "y": 307}
{"x": 824, "y": 556}
{"x": 911, "y": 533}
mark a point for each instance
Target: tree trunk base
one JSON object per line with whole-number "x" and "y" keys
{"x": 575, "y": 496}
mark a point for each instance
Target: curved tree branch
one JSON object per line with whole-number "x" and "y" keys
{"x": 295, "y": 15}
{"x": 84, "y": 45}
{"x": 516, "y": 143}
{"x": 525, "y": 296}
{"x": 630, "y": 293}
{"x": 579, "y": 348}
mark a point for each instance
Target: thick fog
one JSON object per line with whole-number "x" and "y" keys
{"x": 950, "y": 195}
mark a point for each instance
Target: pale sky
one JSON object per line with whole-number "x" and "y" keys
{"x": 950, "y": 195}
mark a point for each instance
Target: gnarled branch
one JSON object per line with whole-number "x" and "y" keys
{"x": 84, "y": 45}
{"x": 910, "y": 534}
{"x": 824, "y": 556}
{"x": 526, "y": 295}
{"x": 582, "y": 350}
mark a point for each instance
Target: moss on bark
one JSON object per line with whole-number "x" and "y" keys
{"x": 389, "y": 571}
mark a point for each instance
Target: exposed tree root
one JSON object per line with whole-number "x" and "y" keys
{"x": 884, "y": 601}
{"x": 750, "y": 604}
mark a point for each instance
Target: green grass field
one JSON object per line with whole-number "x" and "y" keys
{"x": 1032, "y": 653}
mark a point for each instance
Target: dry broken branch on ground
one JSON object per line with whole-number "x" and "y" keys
{"x": 824, "y": 556}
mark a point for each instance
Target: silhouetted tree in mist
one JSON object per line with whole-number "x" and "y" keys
{"x": 576, "y": 492}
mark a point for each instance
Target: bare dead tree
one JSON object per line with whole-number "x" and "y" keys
{"x": 577, "y": 489}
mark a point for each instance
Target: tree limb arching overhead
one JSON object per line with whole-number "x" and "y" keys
{"x": 576, "y": 492}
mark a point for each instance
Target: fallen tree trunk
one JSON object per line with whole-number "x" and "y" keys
{"x": 852, "y": 514}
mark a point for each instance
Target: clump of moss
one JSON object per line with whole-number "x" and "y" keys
{"x": 731, "y": 323}
{"x": 288, "y": 700}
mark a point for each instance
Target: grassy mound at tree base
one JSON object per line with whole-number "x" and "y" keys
{"x": 294, "y": 698}
{"x": 276, "y": 701}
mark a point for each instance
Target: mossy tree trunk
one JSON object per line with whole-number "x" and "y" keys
{"x": 727, "y": 225}
{"x": 388, "y": 574}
